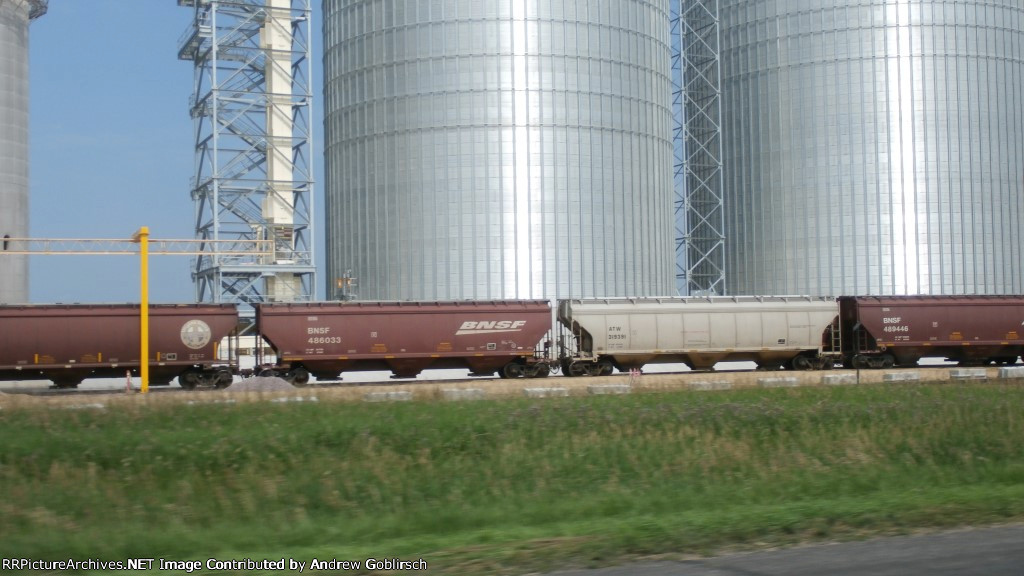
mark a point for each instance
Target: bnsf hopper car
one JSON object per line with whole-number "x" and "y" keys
{"x": 69, "y": 343}
{"x": 327, "y": 339}
{"x": 883, "y": 331}
{"x": 628, "y": 333}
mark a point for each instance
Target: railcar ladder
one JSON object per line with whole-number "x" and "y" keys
{"x": 836, "y": 336}
{"x": 862, "y": 340}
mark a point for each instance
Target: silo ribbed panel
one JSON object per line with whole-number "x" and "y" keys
{"x": 14, "y": 105}
{"x": 481, "y": 149}
{"x": 874, "y": 147}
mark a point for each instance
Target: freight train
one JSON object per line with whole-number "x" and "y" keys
{"x": 197, "y": 343}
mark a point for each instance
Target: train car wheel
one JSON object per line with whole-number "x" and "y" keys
{"x": 801, "y": 363}
{"x": 888, "y": 361}
{"x": 604, "y": 368}
{"x": 299, "y": 377}
{"x": 542, "y": 371}
{"x": 513, "y": 370}
{"x": 224, "y": 379}
{"x": 188, "y": 379}
{"x": 861, "y": 362}
{"x": 577, "y": 369}
{"x": 570, "y": 369}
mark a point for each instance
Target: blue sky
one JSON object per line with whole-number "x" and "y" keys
{"x": 111, "y": 144}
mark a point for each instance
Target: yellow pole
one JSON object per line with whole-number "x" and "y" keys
{"x": 142, "y": 237}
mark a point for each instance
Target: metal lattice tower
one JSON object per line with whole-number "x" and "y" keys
{"x": 253, "y": 180}
{"x": 697, "y": 141}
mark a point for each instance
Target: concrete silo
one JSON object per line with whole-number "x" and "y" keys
{"x": 498, "y": 149}
{"x": 874, "y": 147}
{"x": 15, "y": 16}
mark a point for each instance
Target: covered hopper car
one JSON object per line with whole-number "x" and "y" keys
{"x": 326, "y": 339}
{"x": 69, "y": 343}
{"x": 885, "y": 331}
{"x": 774, "y": 332}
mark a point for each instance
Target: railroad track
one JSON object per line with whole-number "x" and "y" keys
{"x": 682, "y": 378}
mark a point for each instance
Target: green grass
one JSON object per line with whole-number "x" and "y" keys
{"x": 508, "y": 486}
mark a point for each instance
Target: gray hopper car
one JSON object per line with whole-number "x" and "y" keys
{"x": 774, "y": 332}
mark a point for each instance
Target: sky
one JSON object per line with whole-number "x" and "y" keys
{"x": 111, "y": 144}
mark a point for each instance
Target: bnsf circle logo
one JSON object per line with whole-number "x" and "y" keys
{"x": 195, "y": 334}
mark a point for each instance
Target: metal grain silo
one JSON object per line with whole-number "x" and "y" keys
{"x": 14, "y": 19}
{"x": 874, "y": 147}
{"x": 498, "y": 149}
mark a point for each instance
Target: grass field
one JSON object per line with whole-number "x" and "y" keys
{"x": 509, "y": 486}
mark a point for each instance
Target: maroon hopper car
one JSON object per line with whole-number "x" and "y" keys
{"x": 328, "y": 338}
{"x": 69, "y": 343}
{"x": 882, "y": 331}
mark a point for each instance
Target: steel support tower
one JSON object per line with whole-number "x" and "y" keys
{"x": 697, "y": 143}
{"x": 253, "y": 180}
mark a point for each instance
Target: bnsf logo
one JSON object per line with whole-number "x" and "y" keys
{"x": 490, "y": 327}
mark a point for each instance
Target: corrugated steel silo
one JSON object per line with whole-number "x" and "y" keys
{"x": 874, "y": 147}
{"x": 14, "y": 19}
{"x": 482, "y": 149}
